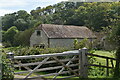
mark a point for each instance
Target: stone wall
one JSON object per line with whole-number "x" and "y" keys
{"x": 34, "y": 39}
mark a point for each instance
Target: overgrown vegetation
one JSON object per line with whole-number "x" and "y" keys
{"x": 21, "y": 51}
{"x": 7, "y": 68}
{"x": 83, "y": 43}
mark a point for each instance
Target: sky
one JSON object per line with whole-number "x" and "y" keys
{"x": 10, "y": 6}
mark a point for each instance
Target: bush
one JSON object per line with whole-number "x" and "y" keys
{"x": 83, "y": 43}
{"x": 7, "y": 69}
{"x": 21, "y": 51}
{"x": 23, "y": 37}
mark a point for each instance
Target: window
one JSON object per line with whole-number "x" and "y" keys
{"x": 38, "y": 33}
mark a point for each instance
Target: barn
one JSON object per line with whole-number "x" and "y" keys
{"x": 51, "y": 35}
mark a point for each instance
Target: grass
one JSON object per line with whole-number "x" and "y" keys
{"x": 93, "y": 79}
{"x": 104, "y": 53}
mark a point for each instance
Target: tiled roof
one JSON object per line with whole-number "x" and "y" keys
{"x": 66, "y": 31}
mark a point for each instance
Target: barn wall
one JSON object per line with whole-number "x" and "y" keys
{"x": 52, "y": 43}
{"x": 62, "y": 42}
{"x": 34, "y": 39}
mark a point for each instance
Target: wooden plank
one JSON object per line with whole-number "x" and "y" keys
{"x": 45, "y": 69}
{"x": 36, "y": 68}
{"x": 64, "y": 67}
{"x": 107, "y": 69}
{"x": 100, "y": 56}
{"x": 53, "y": 68}
{"x": 45, "y": 55}
{"x": 19, "y": 63}
{"x": 48, "y": 62}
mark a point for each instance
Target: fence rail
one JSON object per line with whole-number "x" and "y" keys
{"x": 74, "y": 63}
{"x": 100, "y": 56}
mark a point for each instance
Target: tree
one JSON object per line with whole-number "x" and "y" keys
{"x": 22, "y": 14}
{"x": 78, "y": 18}
{"x": 23, "y": 37}
{"x": 115, "y": 35}
{"x": 24, "y": 20}
{"x": 21, "y": 24}
{"x": 98, "y": 15}
{"x": 8, "y": 21}
{"x": 9, "y": 35}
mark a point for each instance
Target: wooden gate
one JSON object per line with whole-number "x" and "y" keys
{"x": 50, "y": 66}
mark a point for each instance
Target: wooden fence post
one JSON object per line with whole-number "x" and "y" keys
{"x": 10, "y": 56}
{"x": 83, "y": 63}
{"x": 80, "y": 62}
{"x": 107, "y": 69}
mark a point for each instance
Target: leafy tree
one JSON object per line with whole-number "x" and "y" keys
{"x": 9, "y": 34}
{"x": 21, "y": 19}
{"x": 21, "y": 24}
{"x": 24, "y": 20}
{"x": 22, "y": 14}
{"x": 115, "y": 37}
{"x": 78, "y": 18}
{"x": 23, "y": 37}
{"x": 8, "y": 21}
{"x": 97, "y": 15}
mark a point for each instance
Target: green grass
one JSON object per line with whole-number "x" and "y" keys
{"x": 93, "y": 79}
{"x": 104, "y": 53}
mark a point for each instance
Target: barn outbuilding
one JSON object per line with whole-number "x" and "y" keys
{"x": 51, "y": 35}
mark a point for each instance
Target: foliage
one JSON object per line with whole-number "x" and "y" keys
{"x": 7, "y": 21}
{"x": 7, "y": 69}
{"x": 93, "y": 15}
{"x": 65, "y": 13}
{"x": 37, "y": 24}
{"x": 8, "y": 36}
{"x": 21, "y": 19}
{"x": 21, "y": 51}
{"x": 98, "y": 72}
{"x": 81, "y": 44}
{"x": 78, "y": 14}
{"x": 116, "y": 33}
{"x": 23, "y": 37}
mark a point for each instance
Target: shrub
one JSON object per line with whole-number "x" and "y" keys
{"x": 83, "y": 43}
{"x": 21, "y": 51}
{"x": 7, "y": 69}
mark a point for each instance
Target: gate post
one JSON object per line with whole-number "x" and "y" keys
{"x": 83, "y": 63}
{"x": 10, "y": 56}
